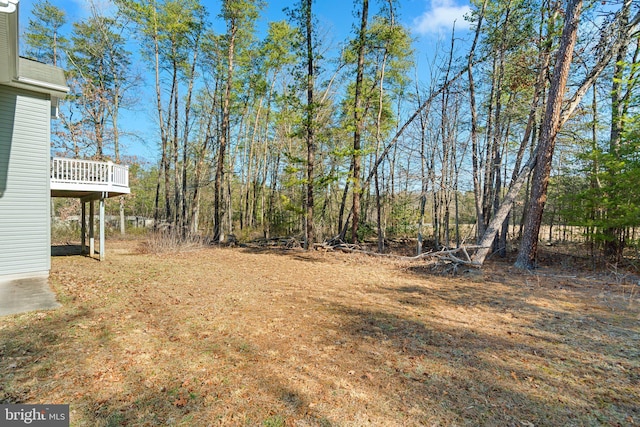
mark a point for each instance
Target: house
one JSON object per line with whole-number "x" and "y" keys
{"x": 29, "y": 96}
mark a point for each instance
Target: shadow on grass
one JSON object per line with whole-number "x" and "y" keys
{"x": 32, "y": 348}
{"x": 68, "y": 250}
{"x": 70, "y": 352}
{"x": 467, "y": 377}
{"x": 543, "y": 367}
{"x": 58, "y": 348}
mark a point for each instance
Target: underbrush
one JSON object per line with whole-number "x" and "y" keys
{"x": 167, "y": 241}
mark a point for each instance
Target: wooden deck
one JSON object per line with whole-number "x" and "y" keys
{"x": 88, "y": 179}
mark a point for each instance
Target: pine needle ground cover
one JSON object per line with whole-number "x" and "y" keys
{"x": 242, "y": 336}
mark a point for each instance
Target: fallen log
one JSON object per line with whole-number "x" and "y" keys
{"x": 445, "y": 255}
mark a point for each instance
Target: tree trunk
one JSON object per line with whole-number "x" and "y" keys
{"x": 342, "y": 224}
{"x": 224, "y": 132}
{"x": 163, "y": 168}
{"x": 477, "y": 193}
{"x": 309, "y": 124}
{"x": 550, "y": 127}
{"x": 358, "y": 116}
{"x": 380, "y": 229}
{"x": 614, "y": 241}
{"x": 423, "y": 178}
{"x": 486, "y": 242}
{"x": 177, "y": 196}
{"x": 185, "y": 136}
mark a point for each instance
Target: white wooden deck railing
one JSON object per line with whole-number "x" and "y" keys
{"x": 89, "y": 175}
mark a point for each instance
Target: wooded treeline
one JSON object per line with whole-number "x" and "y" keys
{"x": 530, "y": 117}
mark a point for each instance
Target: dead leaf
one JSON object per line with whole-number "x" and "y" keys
{"x": 180, "y": 401}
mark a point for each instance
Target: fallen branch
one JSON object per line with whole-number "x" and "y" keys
{"x": 286, "y": 242}
{"x": 447, "y": 255}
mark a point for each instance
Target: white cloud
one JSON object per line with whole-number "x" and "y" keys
{"x": 441, "y": 17}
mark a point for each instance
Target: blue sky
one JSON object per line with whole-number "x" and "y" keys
{"x": 424, "y": 17}
{"x": 430, "y": 22}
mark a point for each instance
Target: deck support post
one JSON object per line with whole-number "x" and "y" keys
{"x": 83, "y": 227}
{"x": 102, "y": 246}
{"x": 92, "y": 240}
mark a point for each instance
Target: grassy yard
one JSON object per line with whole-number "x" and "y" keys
{"x": 253, "y": 337}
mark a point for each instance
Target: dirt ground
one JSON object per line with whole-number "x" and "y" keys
{"x": 243, "y": 336}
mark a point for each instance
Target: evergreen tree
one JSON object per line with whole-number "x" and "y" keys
{"x": 44, "y": 41}
{"x": 99, "y": 68}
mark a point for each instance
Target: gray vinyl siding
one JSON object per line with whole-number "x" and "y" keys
{"x": 25, "y": 241}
